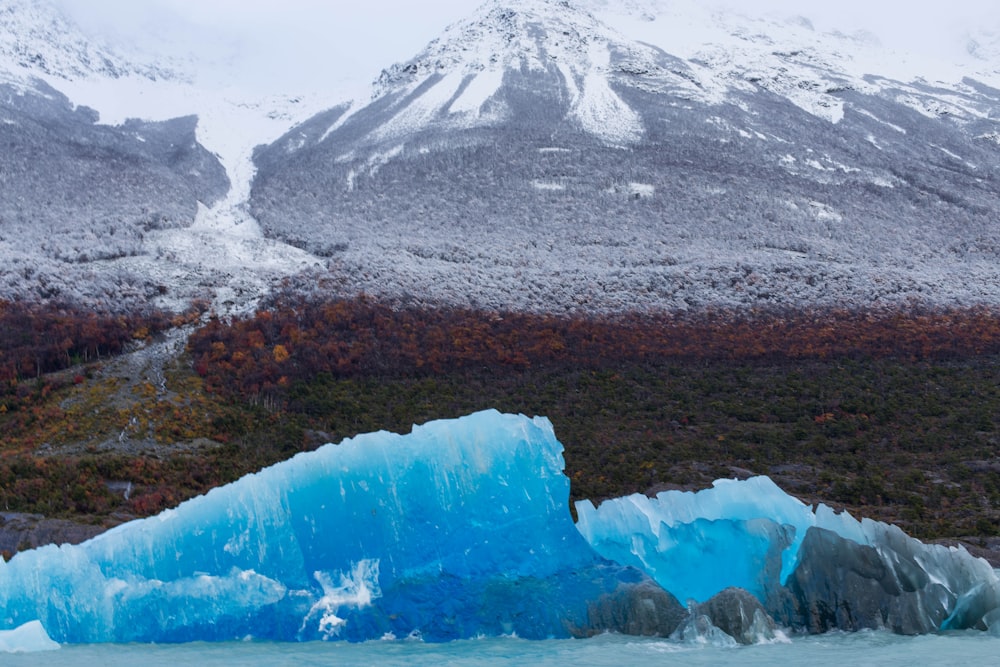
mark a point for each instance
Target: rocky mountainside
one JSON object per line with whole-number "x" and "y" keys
{"x": 533, "y": 157}
{"x": 37, "y": 39}
{"x": 548, "y": 155}
{"x": 76, "y": 194}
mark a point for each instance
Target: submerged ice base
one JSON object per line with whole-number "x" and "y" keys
{"x": 462, "y": 529}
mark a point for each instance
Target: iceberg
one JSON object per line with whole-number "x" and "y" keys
{"x": 813, "y": 569}
{"x": 461, "y": 529}
{"x": 28, "y": 638}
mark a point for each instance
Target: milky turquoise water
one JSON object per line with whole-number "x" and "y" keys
{"x": 839, "y": 650}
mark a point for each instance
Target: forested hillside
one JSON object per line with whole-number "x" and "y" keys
{"x": 891, "y": 415}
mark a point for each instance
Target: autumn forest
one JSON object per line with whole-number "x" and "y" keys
{"x": 891, "y": 414}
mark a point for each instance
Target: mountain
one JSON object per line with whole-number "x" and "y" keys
{"x": 38, "y": 39}
{"x": 547, "y": 155}
{"x": 533, "y": 157}
{"x": 76, "y": 193}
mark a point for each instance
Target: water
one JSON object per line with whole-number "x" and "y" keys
{"x": 832, "y": 650}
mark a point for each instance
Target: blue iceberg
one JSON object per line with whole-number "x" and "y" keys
{"x": 462, "y": 529}
{"x": 687, "y": 541}
{"x": 811, "y": 568}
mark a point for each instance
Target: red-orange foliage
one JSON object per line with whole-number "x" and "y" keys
{"x": 298, "y": 339}
{"x": 37, "y": 339}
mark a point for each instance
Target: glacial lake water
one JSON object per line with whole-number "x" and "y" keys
{"x": 835, "y": 649}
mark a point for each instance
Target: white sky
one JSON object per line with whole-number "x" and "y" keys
{"x": 352, "y": 40}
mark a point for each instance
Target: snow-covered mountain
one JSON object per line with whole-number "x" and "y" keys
{"x": 560, "y": 155}
{"x": 533, "y": 157}
{"x": 37, "y": 39}
{"x": 75, "y": 194}
{"x": 108, "y": 194}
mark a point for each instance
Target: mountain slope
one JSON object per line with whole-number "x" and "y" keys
{"x": 76, "y": 192}
{"x": 37, "y": 39}
{"x": 532, "y": 157}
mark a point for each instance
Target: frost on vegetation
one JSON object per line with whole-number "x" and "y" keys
{"x": 515, "y": 122}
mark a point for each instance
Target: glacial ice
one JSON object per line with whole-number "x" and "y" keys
{"x": 813, "y": 569}
{"x": 28, "y": 638}
{"x": 462, "y": 529}
{"x": 686, "y": 541}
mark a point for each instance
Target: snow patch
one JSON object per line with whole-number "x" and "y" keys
{"x": 600, "y": 110}
{"x": 869, "y": 114}
{"x": 954, "y": 156}
{"x": 641, "y": 190}
{"x": 824, "y": 213}
{"x": 377, "y": 160}
{"x": 477, "y": 93}
{"x": 817, "y": 165}
{"x": 424, "y": 110}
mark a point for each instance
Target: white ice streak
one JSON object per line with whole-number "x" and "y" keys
{"x": 355, "y": 589}
{"x": 599, "y": 109}
{"x": 869, "y": 114}
{"x": 421, "y": 108}
{"x": 477, "y": 93}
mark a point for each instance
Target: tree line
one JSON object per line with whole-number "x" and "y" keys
{"x": 36, "y": 339}
{"x": 297, "y": 338}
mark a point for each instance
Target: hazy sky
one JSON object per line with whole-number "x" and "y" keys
{"x": 354, "y": 39}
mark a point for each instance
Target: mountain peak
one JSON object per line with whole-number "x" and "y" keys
{"x": 553, "y": 50}
{"x": 533, "y": 35}
{"x": 36, "y": 39}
